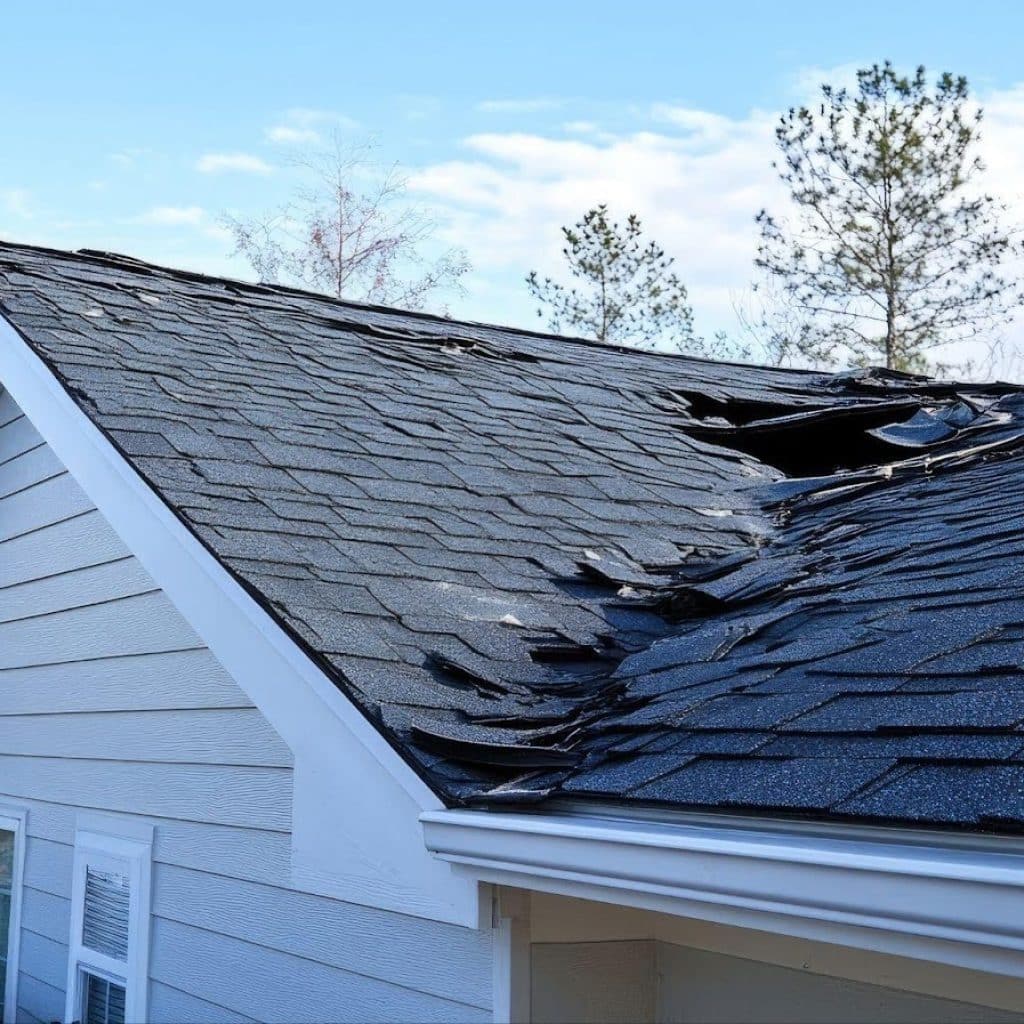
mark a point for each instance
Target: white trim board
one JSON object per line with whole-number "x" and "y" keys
{"x": 355, "y": 834}
{"x": 920, "y": 899}
{"x": 127, "y": 850}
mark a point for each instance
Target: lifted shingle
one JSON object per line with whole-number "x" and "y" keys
{"x": 545, "y": 566}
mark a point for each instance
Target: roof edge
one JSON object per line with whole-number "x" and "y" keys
{"x": 920, "y": 897}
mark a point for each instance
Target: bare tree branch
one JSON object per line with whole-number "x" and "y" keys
{"x": 350, "y": 232}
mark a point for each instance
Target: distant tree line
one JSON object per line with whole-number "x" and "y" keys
{"x": 890, "y": 247}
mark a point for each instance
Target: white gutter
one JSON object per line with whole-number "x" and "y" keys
{"x": 918, "y": 895}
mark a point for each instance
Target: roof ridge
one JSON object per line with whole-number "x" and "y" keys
{"x": 132, "y": 263}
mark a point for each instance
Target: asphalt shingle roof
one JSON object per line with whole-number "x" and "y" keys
{"x": 545, "y": 567}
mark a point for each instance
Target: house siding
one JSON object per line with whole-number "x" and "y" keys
{"x": 110, "y": 702}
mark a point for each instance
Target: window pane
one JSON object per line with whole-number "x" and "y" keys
{"x": 6, "y": 881}
{"x": 104, "y": 1001}
{"x": 105, "y": 924}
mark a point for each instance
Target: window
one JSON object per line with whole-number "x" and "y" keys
{"x": 12, "y": 860}
{"x": 103, "y": 1000}
{"x": 108, "y": 965}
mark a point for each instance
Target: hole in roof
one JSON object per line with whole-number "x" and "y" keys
{"x": 812, "y": 442}
{"x": 737, "y": 411}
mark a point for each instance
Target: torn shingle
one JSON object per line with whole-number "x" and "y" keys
{"x": 549, "y": 567}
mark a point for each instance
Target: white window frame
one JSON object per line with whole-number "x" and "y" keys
{"x": 126, "y": 848}
{"x": 14, "y": 819}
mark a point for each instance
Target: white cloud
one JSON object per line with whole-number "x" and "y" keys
{"x": 520, "y": 106}
{"x": 304, "y": 126}
{"x": 16, "y": 202}
{"x": 171, "y": 216}
{"x": 288, "y": 135}
{"x": 805, "y": 84}
{"x": 1002, "y": 144}
{"x": 581, "y": 127}
{"x": 507, "y": 199}
{"x": 697, "y": 180}
{"x": 245, "y": 163}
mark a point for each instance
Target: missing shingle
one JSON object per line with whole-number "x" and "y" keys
{"x": 731, "y": 411}
{"x": 812, "y": 443}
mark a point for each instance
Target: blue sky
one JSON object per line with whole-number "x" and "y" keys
{"x": 511, "y": 118}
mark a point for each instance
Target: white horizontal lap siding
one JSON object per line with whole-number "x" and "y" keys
{"x": 237, "y": 736}
{"x": 59, "y": 550}
{"x": 171, "y": 1004}
{"x": 45, "y": 960}
{"x": 44, "y": 504}
{"x": 243, "y": 796}
{"x": 188, "y": 680}
{"x": 280, "y": 987}
{"x": 46, "y": 921}
{"x": 143, "y": 624}
{"x": 109, "y": 702}
{"x": 415, "y": 953}
{"x": 108, "y": 581}
{"x": 26, "y": 469}
{"x": 46, "y": 1001}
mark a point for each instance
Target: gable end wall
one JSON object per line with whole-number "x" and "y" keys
{"x": 110, "y": 702}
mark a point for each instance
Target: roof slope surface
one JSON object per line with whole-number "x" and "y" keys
{"x": 548, "y": 567}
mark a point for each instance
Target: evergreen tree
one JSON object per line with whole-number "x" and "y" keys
{"x": 893, "y": 249}
{"x": 626, "y": 291}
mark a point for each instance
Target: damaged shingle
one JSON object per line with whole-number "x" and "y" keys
{"x": 546, "y": 567}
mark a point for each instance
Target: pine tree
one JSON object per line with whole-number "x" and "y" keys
{"x": 893, "y": 249}
{"x": 627, "y": 291}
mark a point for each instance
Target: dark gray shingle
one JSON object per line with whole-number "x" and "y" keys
{"x": 546, "y": 565}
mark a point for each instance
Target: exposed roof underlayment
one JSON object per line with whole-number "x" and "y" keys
{"x": 546, "y": 567}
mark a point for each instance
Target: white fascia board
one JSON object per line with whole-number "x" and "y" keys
{"x": 916, "y": 896}
{"x": 355, "y": 834}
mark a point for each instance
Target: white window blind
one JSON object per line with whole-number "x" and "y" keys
{"x": 105, "y": 917}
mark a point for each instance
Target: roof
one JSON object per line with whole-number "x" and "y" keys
{"x": 545, "y": 567}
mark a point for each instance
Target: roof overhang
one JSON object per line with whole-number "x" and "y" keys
{"x": 946, "y": 899}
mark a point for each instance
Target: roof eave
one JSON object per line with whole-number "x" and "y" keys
{"x": 949, "y": 900}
